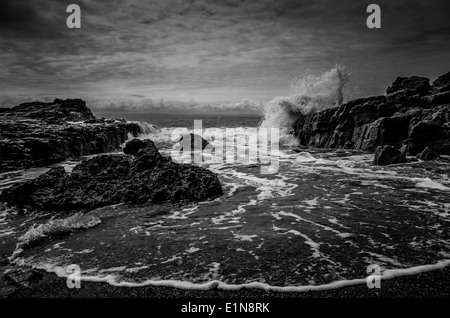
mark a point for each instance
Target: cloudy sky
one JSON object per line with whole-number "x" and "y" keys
{"x": 212, "y": 50}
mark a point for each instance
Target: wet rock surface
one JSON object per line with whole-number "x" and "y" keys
{"x": 388, "y": 155}
{"x": 192, "y": 142}
{"x": 40, "y": 134}
{"x": 141, "y": 176}
{"x": 428, "y": 154}
{"x": 23, "y": 276}
{"x": 412, "y": 113}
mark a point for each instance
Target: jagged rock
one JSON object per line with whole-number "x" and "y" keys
{"x": 41, "y": 134}
{"x": 364, "y": 113}
{"x": 23, "y": 276}
{"x": 133, "y": 146}
{"x": 428, "y": 154}
{"x": 384, "y": 131}
{"x": 146, "y": 176}
{"x": 315, "y": 129}
{"x": 441, "y": 84}
{"x": 404, "y": 149}
{"x": 343, "y": 133}
{"x": 403, "y": 99}
{"x": 430, "y": 128}
{"x": 411, "y": 85}
{"x": 387, "y": 155}
{"x": 437, "y": 99}
{"x": 7, "y": 291}
{"x": 58, "y": 112}
{"x": 366, "y": 110}
{"x": 193, "y": 142}
{"x": 411, "y": 113}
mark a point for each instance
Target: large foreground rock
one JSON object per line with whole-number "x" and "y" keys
{"x": 40, "y": 134}
{"x": 412, "y": 113}
{"x": 110, "y": 179}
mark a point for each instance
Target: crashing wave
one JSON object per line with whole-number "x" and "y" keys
{"x": 310, "y": 94}
{"x": 146, "y": 128}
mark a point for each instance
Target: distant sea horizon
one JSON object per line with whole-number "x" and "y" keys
{"x": 168, "y": 120}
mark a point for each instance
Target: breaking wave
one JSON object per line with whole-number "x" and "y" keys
{"x": 310, "y": 93}
{"x": 146, "y": 128}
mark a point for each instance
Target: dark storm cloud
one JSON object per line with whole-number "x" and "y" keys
{"x": 213, "y": 50}
{"x": 26, "y": 19}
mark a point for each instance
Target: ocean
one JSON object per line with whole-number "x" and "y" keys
{"x": 186, "y": 120}
{"x": 318, "y": 222}
{"x": 324, "y": 218}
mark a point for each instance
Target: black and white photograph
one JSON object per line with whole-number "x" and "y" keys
{"x": 214, "y": 156}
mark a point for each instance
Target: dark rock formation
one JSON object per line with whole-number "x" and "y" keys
{"x": 412, "y": 113}
{"x": 40, "y": 134}
{"x": 430, "y": 128}
{"x": 134, "y": 146}
{"x": 388, "y": 155}
{"x": 192, "y": 142}
{"x": 23, "y": 276}
{"x": 58, "y": 112}
{"x": 442, "y": 84}
{"x": 109, "y": 179}
{"x": 428, "y": 154}
{"x": 412, "y": 85}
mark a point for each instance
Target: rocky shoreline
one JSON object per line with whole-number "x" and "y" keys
{"x": 412, "y": 119}
{"x": 40, "y": 134}
{"x": 140, "y": 175}
{"x": 412, "y": 116}
{"x": 32, "y": 283}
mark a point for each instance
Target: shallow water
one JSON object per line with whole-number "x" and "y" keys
{"x": 324, "y": 217}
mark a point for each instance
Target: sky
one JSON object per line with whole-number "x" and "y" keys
{"x": 203, "y": 51}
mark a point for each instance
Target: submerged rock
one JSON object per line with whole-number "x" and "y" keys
{"x": 144, "y": 176}
{"x": 388, "y": 155}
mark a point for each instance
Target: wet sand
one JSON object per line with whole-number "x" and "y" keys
{"x": 330, "y": 203}
{"x": 433, "y": 284}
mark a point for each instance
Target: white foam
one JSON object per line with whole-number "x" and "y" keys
{"x": 430, "y": 184}
{"x": 312, "y": 202}
{"x": 193, "y": 250}
{"x": 172, "y": 259}
{"x": 182, "y": 214}
{"x": 300, "y": 219}
{"x": 344, "y": 235}
{"x": 113, "y": 269}
{"x": 135, "y": 269}
{"x": 113, "y": 280}
{"x": 314, "y": 246}
{"x": 243, "y": 237}
{"x": 304, "y": 157}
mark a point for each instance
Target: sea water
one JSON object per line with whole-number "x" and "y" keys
{"x": 319, "y": 222}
